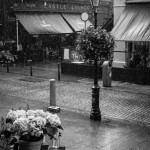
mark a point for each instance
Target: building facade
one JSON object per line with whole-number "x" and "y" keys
{"x": 8, "y": 17}
{"x": 16, "y": 15}
{"x": 131, "y": 30}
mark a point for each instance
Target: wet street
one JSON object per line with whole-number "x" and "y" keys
{"x": 124, "y": 107}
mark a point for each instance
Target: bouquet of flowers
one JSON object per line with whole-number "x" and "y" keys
{"x": 28, "y": 126}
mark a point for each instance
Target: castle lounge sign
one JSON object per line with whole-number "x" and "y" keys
{"x": 53, "y": 7}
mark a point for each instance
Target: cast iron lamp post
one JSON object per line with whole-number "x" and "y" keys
{"x": 95, "y": 110}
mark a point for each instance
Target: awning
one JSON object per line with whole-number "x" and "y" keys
{"x": 133, "y": 24}
{"x": 75, "y": 21}
{"x": 43, "y": 23}
{"x": 137, "y": 1}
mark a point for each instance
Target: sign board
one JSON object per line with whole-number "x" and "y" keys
{"x": 72, "y": 55}
{"x": 53, "y": 7}
{"x": 66, "y": 7}
{"x": 66, "y": 53}
{"x": 76, "y": 56}
{"x": 84, "y": 16}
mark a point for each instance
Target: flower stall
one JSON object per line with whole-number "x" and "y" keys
{"x": 28, "y": 128}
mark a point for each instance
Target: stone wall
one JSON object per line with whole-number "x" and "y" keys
{"x": 81, "y": 70}
{"x": 118, "y": 74}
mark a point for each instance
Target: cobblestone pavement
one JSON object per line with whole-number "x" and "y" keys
{"x": 120, "y": 104}
{"x": 80, "y": 133}
{"x": 122, "y": 101}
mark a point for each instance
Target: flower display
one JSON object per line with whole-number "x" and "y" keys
{"x": 13, "y": 115}
{"x": 30, "y": 125}
{"x": 54, "y": 120}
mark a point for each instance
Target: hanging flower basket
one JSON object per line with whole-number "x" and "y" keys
{"x": 96, "y": 44}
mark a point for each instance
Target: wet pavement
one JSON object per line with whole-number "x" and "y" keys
{"x": 124, "y": 107}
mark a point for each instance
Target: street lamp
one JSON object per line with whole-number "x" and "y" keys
{"x": 95, "y": 4}
{"x": 95, "y": 110}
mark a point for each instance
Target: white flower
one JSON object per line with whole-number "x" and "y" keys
{"x": 12, "y": 115}
{"x": 40, "y": 121}
{"x": 40, "y": 113}
{"x": 38, "y": 133}
{"x": 32, "y": 121}
{"x": 32, "y": 125}
{"x": 21, "y": 124}
{"x": 21, "y": 113}
{"x": 46, "y": 114}
{"x": 31, "y": 113}
{"x": 53, "y": 119}
{"x": 30, "y": 118}
{"x": 16, "y": 114}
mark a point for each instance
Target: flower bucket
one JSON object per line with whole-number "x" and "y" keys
{"x": 52, "y": 130}
{"x": 30, "y": 145}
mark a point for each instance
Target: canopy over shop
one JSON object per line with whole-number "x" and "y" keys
{"x": 51, "y": 19}
{"x": 133, "y": 27}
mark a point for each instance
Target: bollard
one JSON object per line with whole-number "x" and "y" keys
{"x": 7, "y": 66}
{"x": 30, "y": 62}
{"x": 52, "y": 92}
{"x": 58, "y": 72}
{"x": 45, "y": 55}
{"x": 106, "y": 74}
{"x": 24, "y": 59}
{"x": 31, "y": 69}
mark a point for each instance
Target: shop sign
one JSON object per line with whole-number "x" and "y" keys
{"x": 53, "y": 7}
{"x": 68, "y": 7}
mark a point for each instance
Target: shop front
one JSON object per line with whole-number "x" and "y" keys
{"x": 133, "y": 31}
{"x": 54, "y": 23}
{"x": 49, "y": 26}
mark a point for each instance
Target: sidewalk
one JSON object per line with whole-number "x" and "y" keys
{"x": 123, "y": 106}
{"x": 80, "y": 133}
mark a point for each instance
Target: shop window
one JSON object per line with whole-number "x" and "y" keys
{"x": 138, "y": 55}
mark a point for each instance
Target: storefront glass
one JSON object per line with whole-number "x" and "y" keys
{"x": 138, "y": 56}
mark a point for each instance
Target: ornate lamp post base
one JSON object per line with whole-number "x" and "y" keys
{"x": 95, "y": 111}
{"x": 96, "y": 116}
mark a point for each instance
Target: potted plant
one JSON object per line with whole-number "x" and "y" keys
{"x": 28, "y": 127}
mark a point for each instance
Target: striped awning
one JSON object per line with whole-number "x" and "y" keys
{"x": 74, "y": 20}
{"x": 134, "y": 23}
{"x": 137, "y": 1}
{"x": 40, "y": 23}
